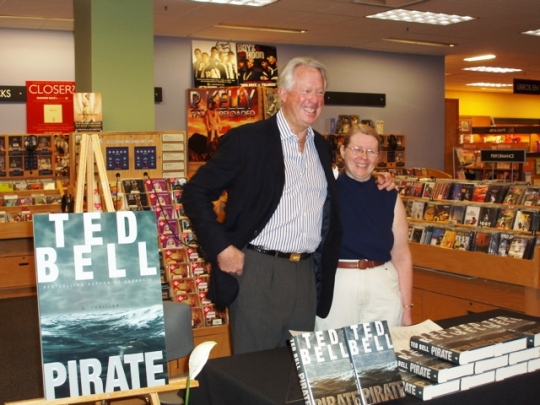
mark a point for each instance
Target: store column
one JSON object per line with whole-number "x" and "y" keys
{"x": 114, "y": 56}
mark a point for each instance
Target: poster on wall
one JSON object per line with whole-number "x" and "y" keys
{"x": 49, "y": 107}
{"x": 214, "y": 64}
{"x": 87, "y": 111}
{"x": 257, "y": 65}
{"x": 212, "y": 112}
{"x": 100, "y": 303}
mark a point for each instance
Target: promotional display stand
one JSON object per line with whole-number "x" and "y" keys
{"x": 90, "y": 154}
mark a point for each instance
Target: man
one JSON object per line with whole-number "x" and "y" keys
{"x": 282, "y": 233}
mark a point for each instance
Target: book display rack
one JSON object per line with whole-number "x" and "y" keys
{"x": 473, "y": 249}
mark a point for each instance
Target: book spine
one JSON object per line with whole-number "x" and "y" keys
{"x": 418, "y": 369}
{"x": 421, "y": 345}
{"x": 304, "y": 385}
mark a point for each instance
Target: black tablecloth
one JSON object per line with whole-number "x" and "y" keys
{"x": 269, "y": 378}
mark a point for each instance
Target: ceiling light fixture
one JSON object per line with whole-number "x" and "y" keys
{"x": 532, "y": 32}
{"x": 490, "y": 69}
{"x": 256, "y": 28}
{"x": 418, "y": 42}
{"x": 497, "y": 85}
{"x": 18, "y": 17}
{"x": 254, "y": 3}
{"x": 480, "y": 57}
{"x": 387, "y": 3}
{"x": 421, "y": 17}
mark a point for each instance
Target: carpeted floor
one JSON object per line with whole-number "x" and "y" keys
{"x": 20, "y": 353}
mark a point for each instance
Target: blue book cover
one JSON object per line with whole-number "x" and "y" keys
{"x": 100, "y": 304}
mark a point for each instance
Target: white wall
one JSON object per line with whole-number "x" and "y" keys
{"x": 413, "y": 84}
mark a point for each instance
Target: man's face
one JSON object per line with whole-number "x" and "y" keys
{"x": 303, "y": 103}
{"x": 250, "y": 64}
{"x": 271, "y": 59}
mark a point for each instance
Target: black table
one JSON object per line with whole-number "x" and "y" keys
{"x": 269, "y": 378}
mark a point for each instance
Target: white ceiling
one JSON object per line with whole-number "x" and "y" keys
{"x": 497, "y": 29}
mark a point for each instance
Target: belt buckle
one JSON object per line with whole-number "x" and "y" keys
{"x": 361, "y": 261}
{"x": 295, "y": 257}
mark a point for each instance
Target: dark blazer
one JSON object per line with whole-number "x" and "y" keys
{"x": 249, "y": 165}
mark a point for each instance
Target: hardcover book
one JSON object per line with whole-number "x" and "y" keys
{"x": 505, "y": 219}
{"x": 530, "y": 196}
{"x": 467, "y": 343}
{"x": 100, "y": 302}
{"x": 431, "y": 367}
{"x": 472, "y": 213}
{"x": 496, "y": 193}
{"x": 324, "y": 367}
{"x": 463, "y": 240}
{"x": 513, "y": 195}
{"x": 417, "y": 209}
{"x": 488, "y": 216}
{"x": 374, "y": 361}
{"x": 480, "y": 193}
{"x": 457, "y": 213}
{"x": 425, "y": 389}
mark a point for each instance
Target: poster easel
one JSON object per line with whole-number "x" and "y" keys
{"x": 90, "y": 153}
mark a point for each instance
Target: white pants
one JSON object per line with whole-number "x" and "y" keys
{"x": 364, "y": 296}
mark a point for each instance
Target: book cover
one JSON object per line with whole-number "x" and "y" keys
{"x": 481, "y": 241}
{"x": 374, "y": 361}
{"x": 463, "y": 239}
{"x": 505, "y": 219}
{"x": 488, "y": 216}
{"x": 436, "y": 236}
{"x": 417, "y": 234}
{"x": 428, "y": 190}
{"x": 324, "y": 367}
{"x": 100, "y": 302}
{"x": 425, "y": 389}
{"x": 496, "y": 193}
{"x": 505, "y": 240}
{"x": 513, "y": 195}
{"x": 431, "y": 367}
{"x": 530, "y": 329}
{"x": 470, "y": 342}
{"x": 480, "y": 193}
{"x": 530, "y": 196}
{"x": 448, "y": 239}
{"x": 521, "y": 247}
{"x": 472, "y": 213}
{"x": 524, "y": 219}
{"x": 457, "y": 213}
{"x": 417, "y": 209}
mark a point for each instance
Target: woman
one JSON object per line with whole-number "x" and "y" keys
{"x": 374, "y": 275}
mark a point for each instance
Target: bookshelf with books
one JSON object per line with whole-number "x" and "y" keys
{"x": 453, "y": 280}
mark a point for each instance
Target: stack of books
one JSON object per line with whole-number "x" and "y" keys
{"x": 461, "y": 357}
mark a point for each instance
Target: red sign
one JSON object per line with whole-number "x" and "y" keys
{"x": 49, "y": 107}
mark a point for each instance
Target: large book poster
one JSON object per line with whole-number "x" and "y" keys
{"x": 214, "y": 64}
{"x": 88, "y": 112}
{"x": 212, "y": 112}
{"x": 49, "y": 107}
{"x": 100, "y": 304}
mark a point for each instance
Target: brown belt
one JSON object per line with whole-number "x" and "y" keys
{"x": 359, "y": 264}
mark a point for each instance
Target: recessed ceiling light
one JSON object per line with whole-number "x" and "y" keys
{"x": 415, "y": 42}
{"x": 256, "y": 28}
{"x": 491, "y": 69}
{"x": 421, "y": 17}
{"x": 254, "y": 3}
{"x": 387, "y": 3}
{"x": 479, "y": 57}
{"x": 498, "y": 85}
{"x": 532, "y": 32}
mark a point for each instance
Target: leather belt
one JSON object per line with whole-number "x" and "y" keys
{"x": 293, "y": 257}
{"x": 359, "y": 264}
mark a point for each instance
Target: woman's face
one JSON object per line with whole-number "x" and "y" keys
{"x": 360, "y": 156}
